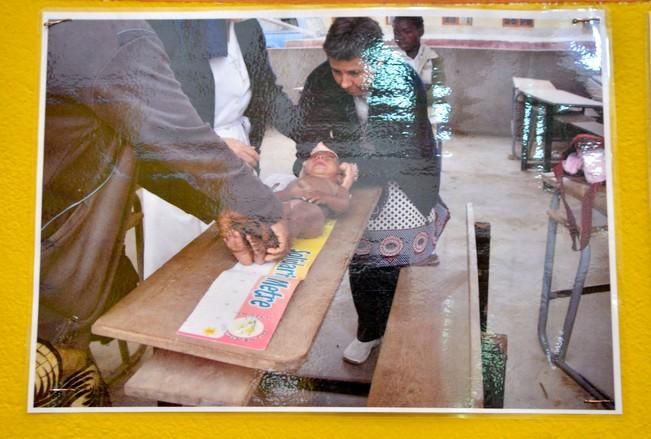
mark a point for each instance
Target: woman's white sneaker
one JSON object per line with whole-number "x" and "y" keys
{"x": 358, "y": 352}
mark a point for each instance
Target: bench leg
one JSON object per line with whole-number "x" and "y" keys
{"x": 483, "y": 244}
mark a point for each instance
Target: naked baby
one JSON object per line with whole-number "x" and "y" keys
{"x": 320, "y": 192}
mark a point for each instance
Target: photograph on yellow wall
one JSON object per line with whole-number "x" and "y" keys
{"x": 352, "y": 210}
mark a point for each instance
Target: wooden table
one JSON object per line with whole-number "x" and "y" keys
{"x": 548, "y": 98}
{"x": 154, "y": 311}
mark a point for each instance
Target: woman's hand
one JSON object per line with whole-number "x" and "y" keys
{"x": 243, "y": 151}
{"x": 281, "y": 230}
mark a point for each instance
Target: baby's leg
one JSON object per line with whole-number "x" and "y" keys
{"x": 306, "y": 220}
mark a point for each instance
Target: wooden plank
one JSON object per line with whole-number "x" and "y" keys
{"x": 429, "y": 356}
{"x": 183, "y": 379}
{"x": 577, "y": 187}
{"x": 560, "y": 216}
{"x": 153, "y": 312}
{"x": 424, "y": 356}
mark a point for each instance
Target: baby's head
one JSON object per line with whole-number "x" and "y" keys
{"x": 323, "y": 162}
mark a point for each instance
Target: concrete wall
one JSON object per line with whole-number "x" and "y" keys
{"x": 480, "y": 80}
{"x": 292, "y": 66}
{"x": 482, "y": 87}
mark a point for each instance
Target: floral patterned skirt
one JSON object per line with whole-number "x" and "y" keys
{"x": 398, "y": 233}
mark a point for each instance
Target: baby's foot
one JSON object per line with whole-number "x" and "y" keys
{"x": 238, "y": 246}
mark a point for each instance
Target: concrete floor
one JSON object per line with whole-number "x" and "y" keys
{"x": 476, "y": 170}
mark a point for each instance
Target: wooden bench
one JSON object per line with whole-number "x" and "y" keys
{"x": 186, "y": 380}
{"x": 431, "y": 352}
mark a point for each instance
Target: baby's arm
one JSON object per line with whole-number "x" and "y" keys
{"x": 336, "y": 197}
{"x": 291, "y": 191}
{"x": 350, "y": 174}
{"x": 338, "y": 202}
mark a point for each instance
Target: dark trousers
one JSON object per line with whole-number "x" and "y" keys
{"x": 373, "y": 289}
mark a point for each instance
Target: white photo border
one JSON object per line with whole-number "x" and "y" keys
{"x": 601, "y": 36}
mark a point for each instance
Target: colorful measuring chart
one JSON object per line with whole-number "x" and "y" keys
{"x": 244, "y": 305}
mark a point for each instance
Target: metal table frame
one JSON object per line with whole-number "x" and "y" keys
{"x": 519, "y": 133}
{"x": 557, "y": 357}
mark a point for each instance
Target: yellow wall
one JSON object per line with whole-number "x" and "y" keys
{"x": 19, "y": 75}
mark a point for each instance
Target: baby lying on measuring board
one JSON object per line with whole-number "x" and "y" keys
{"x": 319, "y": 193}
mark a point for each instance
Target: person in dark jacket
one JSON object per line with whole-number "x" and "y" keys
{"x": 186, "y": 43}
{"x": 224, "y": 69}
{"x": 115, "y": 118}
{"x": 407, "y": 33}
{"x": 370, "y": 107}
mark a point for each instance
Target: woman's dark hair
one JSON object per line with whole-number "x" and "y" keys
{"x": 349, "y": 37}
{"x": 416, "y": 21}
